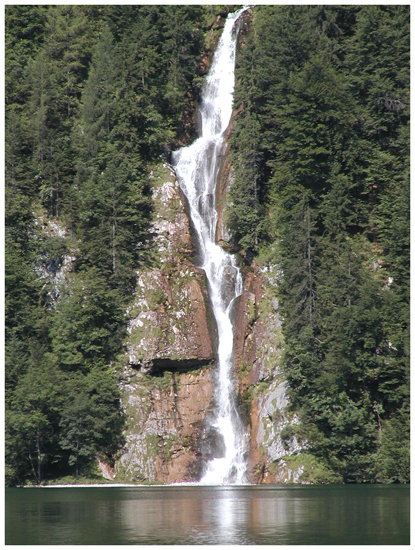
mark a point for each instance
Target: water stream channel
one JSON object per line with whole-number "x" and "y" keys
{"x": 197, "y": 168}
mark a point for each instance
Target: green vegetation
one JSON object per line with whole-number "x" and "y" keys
{"x": 309, "y": 468}
{"x": 320, "y": 151}
{"x": 94, "y": 96}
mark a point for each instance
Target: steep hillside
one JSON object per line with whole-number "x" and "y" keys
{"x": 319, "y": 196}
{"x": 110, "y": 341}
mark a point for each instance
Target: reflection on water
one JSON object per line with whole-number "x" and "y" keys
{"x": 190, "y": 516}
{"x": 209, "y": 515}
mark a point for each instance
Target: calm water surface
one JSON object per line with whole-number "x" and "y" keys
{"x": 209, "y": 515}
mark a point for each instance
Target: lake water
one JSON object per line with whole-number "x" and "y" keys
{"x": 346, "y": 514}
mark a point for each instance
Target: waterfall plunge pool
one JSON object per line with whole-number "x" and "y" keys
{"x": 192, "y": 515}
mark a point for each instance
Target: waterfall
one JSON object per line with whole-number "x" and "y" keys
{"x": 197, "y": 168}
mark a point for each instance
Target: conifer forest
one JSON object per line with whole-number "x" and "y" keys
{"x": 96, "y": 97}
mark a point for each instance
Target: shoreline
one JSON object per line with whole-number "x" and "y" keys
{"x": 135, "y": 485}
{"x": 82, "y": 485}
{"x": 270, "y": 486}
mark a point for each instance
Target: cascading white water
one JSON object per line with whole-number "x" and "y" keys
{"x": 197, "y": 168}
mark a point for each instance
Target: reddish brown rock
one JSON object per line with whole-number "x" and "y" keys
{"x": 169, "y": 326}
{"x": 249, "y": 328}
{"x": 165, "y": 383}
{"x": 261, "y": 384}
{"x": 166, "y": 422}
{"x": 222, "y": 187}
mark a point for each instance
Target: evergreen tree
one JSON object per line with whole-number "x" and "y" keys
{"x": 31, "y": 419}
{"x": 325, "y": 90}
{"x": 91, "y": 419}
{"x": 320, "y": 152}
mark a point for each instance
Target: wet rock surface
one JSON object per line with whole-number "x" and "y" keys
{"x": 169, "y": 317}
{"x": 170, "y": 330}
{"x": 261, "y": 385}
{"x": 165, "y": 418}
{"x": 165, "y": 382}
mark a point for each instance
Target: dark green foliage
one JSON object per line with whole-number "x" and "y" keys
{"x": 320, "y": 155}
{"x": 91, "y": 419}
{"x": 320, "y": 150}
{"x": 393, "y": 459}
{"x": 32, "y": 415}
{"x": 94, "y": 94}
{"x": 113, "y": 195}
{"x": 88, "y": 319}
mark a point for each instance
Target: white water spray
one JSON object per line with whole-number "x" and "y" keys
{"x": 197, "y": 168}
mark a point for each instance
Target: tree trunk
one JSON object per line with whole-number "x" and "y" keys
{"x": 39, "y": 456}
{"x": 77, "y": 459}
{"x": 310, "y": 281}
{"x": 33, "y": 466}
{"x": 113, "y": 245}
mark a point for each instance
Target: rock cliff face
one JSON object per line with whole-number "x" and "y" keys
{"x": 258, "y": 346}
{"x": 166, "y": 384}
{"x": 54, "y": 270}
{"x": 262, "y": 388}
{"x": 165, "y": 418}
{"x": 169, "y": 316}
